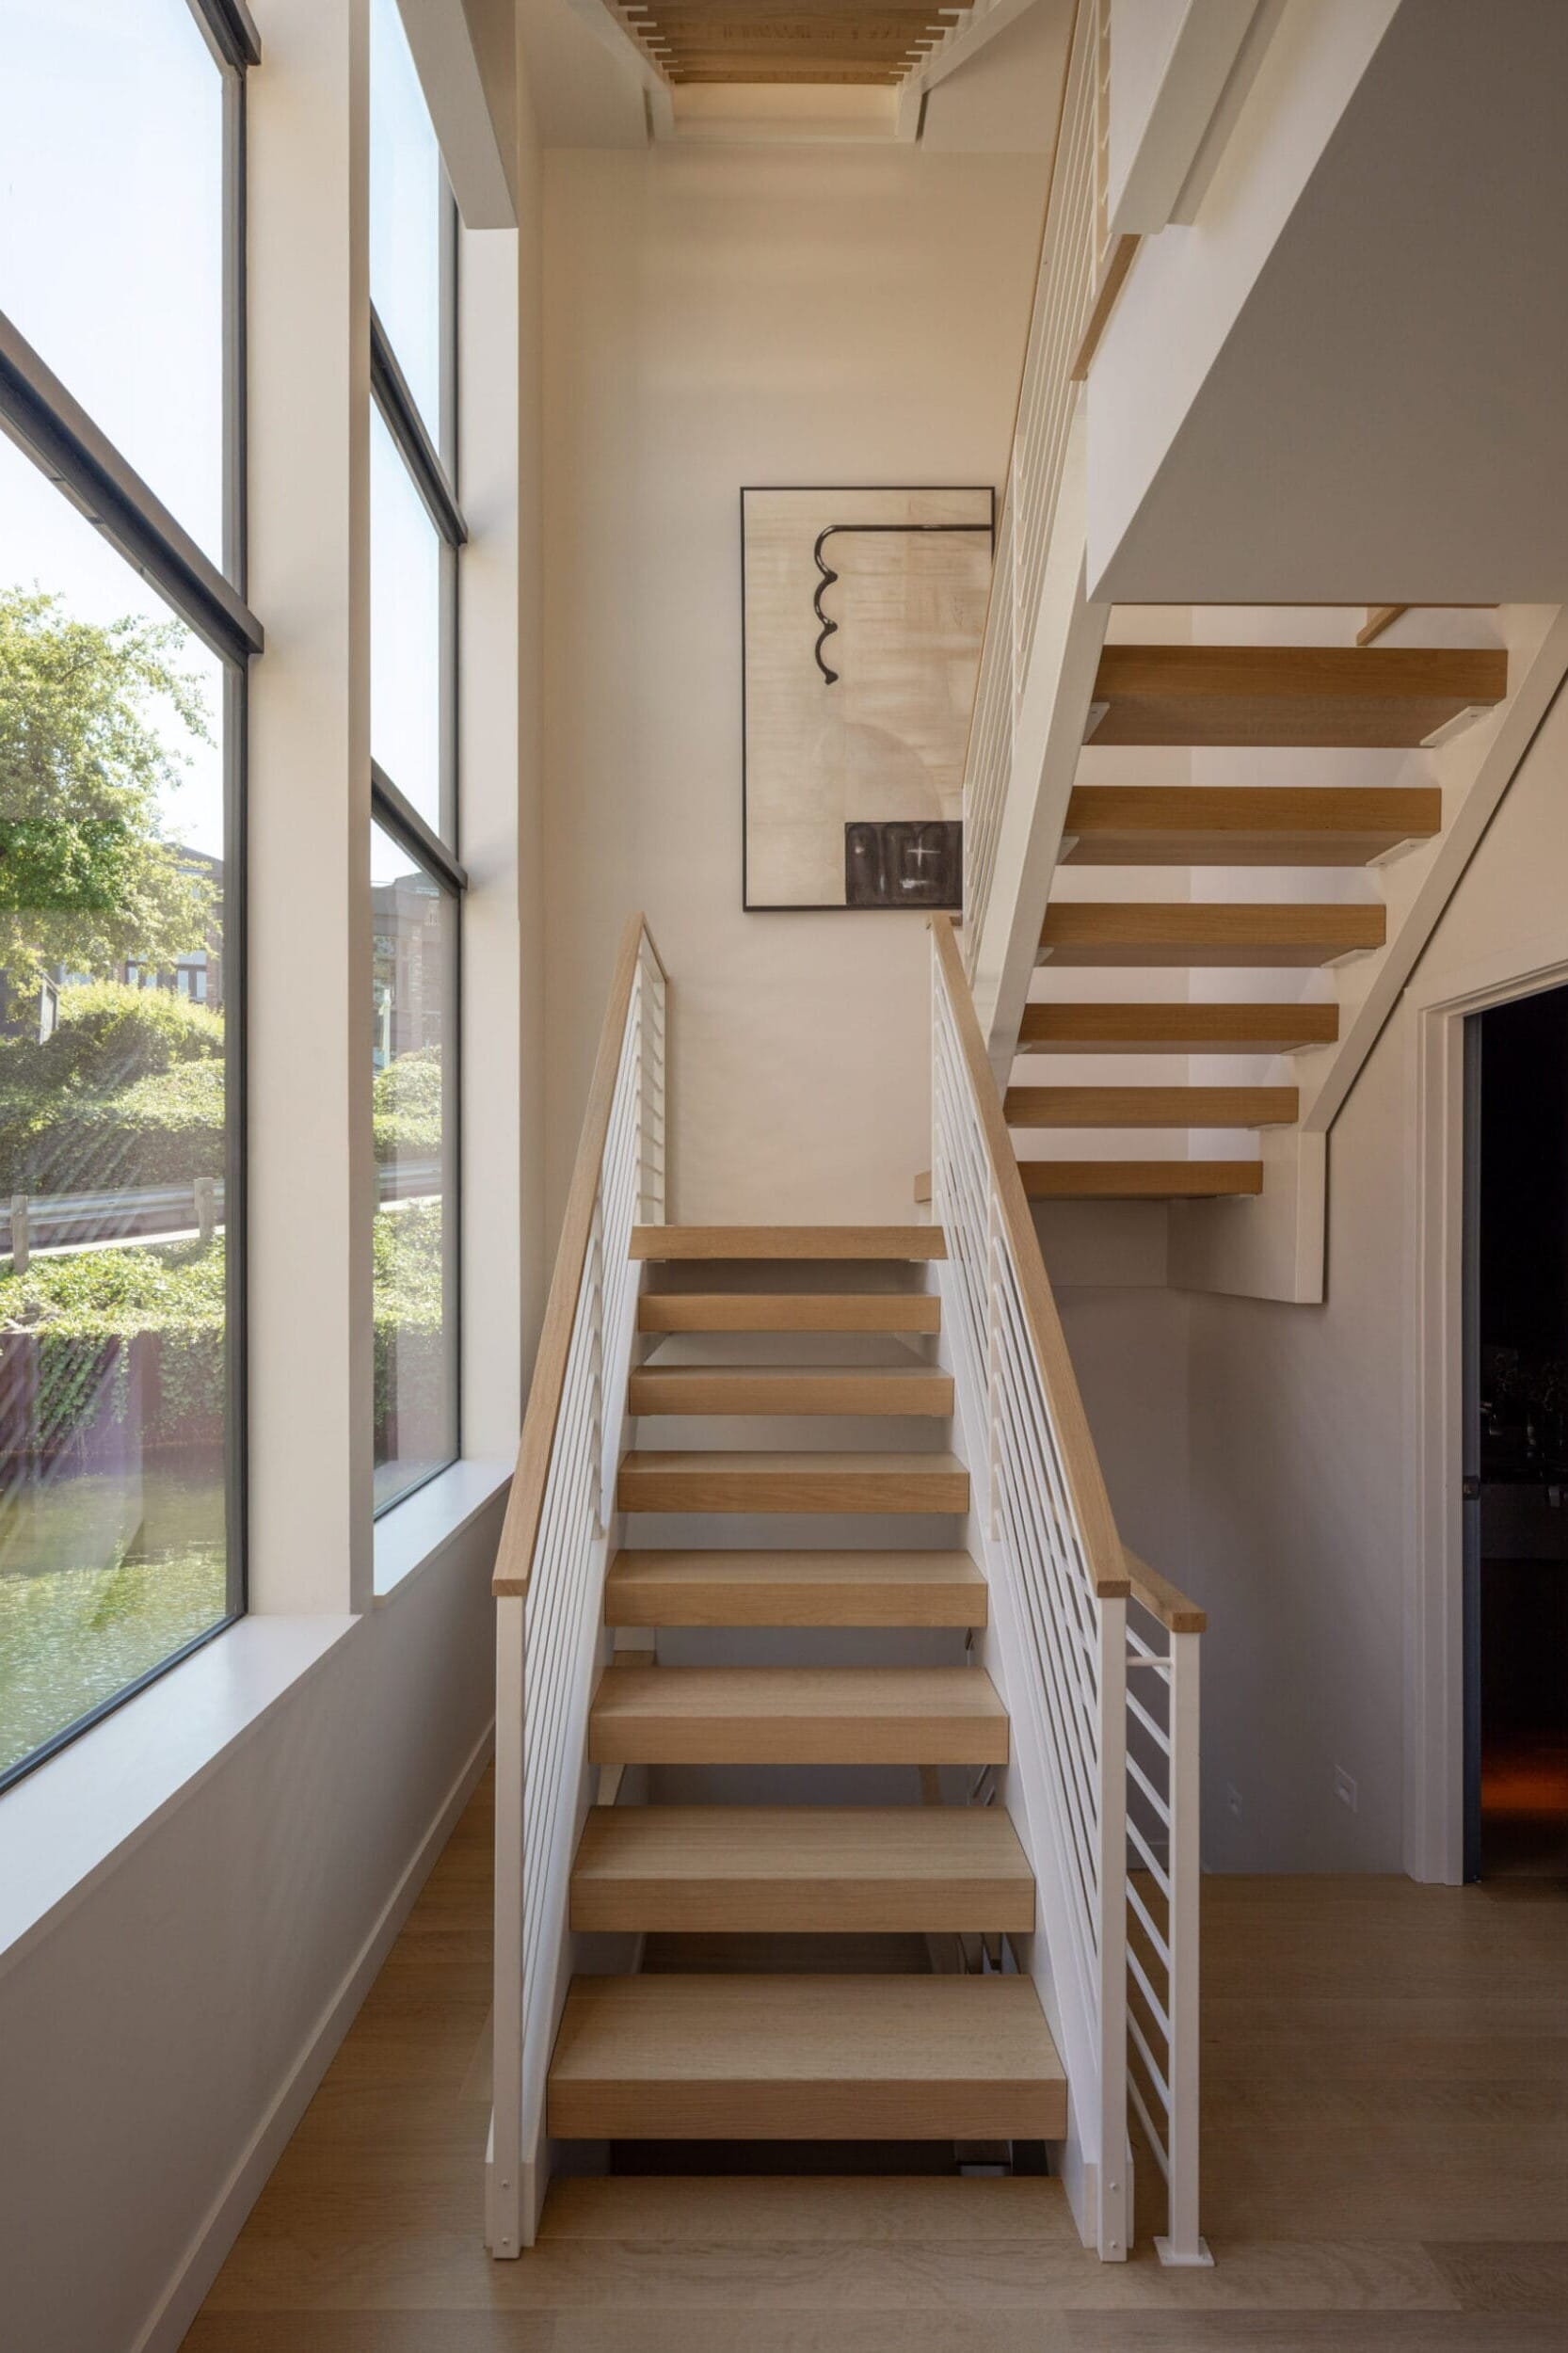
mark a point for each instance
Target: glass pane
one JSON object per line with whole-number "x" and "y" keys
{"x": 111, "y": 230}
{"x": 404, "y": 630}
{"x": 406, "y": 214}
{"x": 113, "y": 1340}
{"x": 413, "y": 997}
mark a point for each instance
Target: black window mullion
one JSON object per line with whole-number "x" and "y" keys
{"x": 410, "y": 831}
{"x": 39, "y": 413}
{"x": 408, "y": 429}
{"x": 231, "y": 29}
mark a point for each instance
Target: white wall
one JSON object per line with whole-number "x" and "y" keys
{"x": 714, "y": 319}
{"x": 1302, "y": 1426}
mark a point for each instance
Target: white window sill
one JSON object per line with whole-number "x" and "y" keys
{"x": 417, "y": 1530}
{"x": 79, "y": 1816}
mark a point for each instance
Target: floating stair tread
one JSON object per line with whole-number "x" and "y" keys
{"x": 1114, "y": 825}
{"x": 788, "y": 1311}
{"x": 1373, "y": 696}
{"x": 797, "y": 1716}
{"x": 886, "y": 1588}
{"x": 1208, "y": 932}
{"x": 790, "y": 1389}
{"x": 1203, "y": 1028}
{"x": 717, "y": 1481}
{"x": 1138, "y": 1180}
{"x": 827, "y": 2209}
{"x": 810, "y": 1870}
{"x": 934, "y": 2057}
{"x": 1151, "y": 1107}
{"x": 787, "y": 1241}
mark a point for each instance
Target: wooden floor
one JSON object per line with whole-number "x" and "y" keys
{"x": 1386, "y": 2143}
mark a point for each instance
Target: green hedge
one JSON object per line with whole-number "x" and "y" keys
{"x": 82, "y": 1315}
{"x": 129, "y": 1092}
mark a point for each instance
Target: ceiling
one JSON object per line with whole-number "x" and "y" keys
{"x": 811, "y": 40}
{"x": 588, "y": 76}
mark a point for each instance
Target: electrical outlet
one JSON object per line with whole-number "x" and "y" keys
{"x": 1233, "y": 1799}
{"x": 1344, "y": 1787}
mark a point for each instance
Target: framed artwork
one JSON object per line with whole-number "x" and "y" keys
{"x": 863, "y": 612}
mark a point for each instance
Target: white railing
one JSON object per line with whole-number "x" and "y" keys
{"x": 1164, "y": 1638}
{"x": 1059, "y": 1587}
{"x": 1073, "y": 257}
{"x": 549, "y": 1571}
{"x": 1061, "y": 1584}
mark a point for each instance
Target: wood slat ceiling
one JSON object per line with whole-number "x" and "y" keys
{"x": 811, "y": 40}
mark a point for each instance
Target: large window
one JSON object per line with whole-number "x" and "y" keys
{"x": 124, "y": 642}
{"x": 416, "y": 880}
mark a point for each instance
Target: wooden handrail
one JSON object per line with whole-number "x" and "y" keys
{"x": 515, "y": 1557}
{"x": 1102, "y": 1547}
{"x": 1163, "y": 1600}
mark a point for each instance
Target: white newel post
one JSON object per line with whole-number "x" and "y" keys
{"x": 1183, "y": 2243}
{"x": 1115, "y": 2153}
{"x": 503, "y": 2218}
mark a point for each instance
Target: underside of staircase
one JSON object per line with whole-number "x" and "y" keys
{"x": 799, "y": 1856}
{"x": 1263, "y": 922}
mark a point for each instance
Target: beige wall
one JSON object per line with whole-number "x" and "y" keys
{"x": 714, "y": 319}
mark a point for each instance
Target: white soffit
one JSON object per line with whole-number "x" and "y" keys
{"x": 1005, "y": 99}
{"x": 476, "y": 127}
{"x": 1383, "y": 418}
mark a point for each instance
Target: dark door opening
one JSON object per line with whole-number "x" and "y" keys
{"x": 1517, "y": 1438}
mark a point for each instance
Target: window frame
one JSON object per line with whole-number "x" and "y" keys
{"x": 53, "y": 430}
{"x": 432, "y": 464}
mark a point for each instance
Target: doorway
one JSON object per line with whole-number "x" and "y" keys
{"x": 1517, "y": 1438}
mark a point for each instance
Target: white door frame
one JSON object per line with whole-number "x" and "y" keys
{"x": 1435, "y": 1556}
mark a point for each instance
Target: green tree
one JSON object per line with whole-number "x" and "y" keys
{"x": 85, "y": 878}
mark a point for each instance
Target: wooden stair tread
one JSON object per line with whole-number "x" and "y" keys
{"x": 805, "y": 2058}
{"x": 742, "y": 1480}
{"x": 882, "y": 1588}
{"x": 1208, "y": 932}
{"x": 811, "y": 1870}
{"x": 788, "y": 1311}
{"x": 797, "y": 1715}
{"x": 875, "y": 1389}
{"x": 1114, "y": 825}
{"x": 1203, "y": 1028}
{"x": 1138, "y": 1180}
{"x": 827, "y": 2209}
{"x": 1151, "y": 1107}
{"x": 787, "y": 1241}
{"x": 1373, "y": 696}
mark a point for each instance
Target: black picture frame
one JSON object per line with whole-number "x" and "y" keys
{"x": 845, "y": 490}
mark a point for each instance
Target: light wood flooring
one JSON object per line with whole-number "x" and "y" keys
{"x": 1385, "y": 2137}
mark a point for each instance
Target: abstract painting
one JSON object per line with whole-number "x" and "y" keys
{"x": 864, "y": 612}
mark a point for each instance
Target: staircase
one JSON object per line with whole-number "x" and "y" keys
{"x": 755, "y": 1662}
{"x": 1332, "y": 697}
{"x": 821, "y": 1776}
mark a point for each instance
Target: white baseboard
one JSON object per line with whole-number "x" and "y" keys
{"x": 194, "y": 2274}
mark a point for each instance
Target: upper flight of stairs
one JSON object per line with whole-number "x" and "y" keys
{"x": 1334, "y": 698}
{"x": 783, "y": 2054}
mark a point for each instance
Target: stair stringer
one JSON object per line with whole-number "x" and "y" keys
{"x": 1024, "y": 1786}
{"x": 1050, "y": 721}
